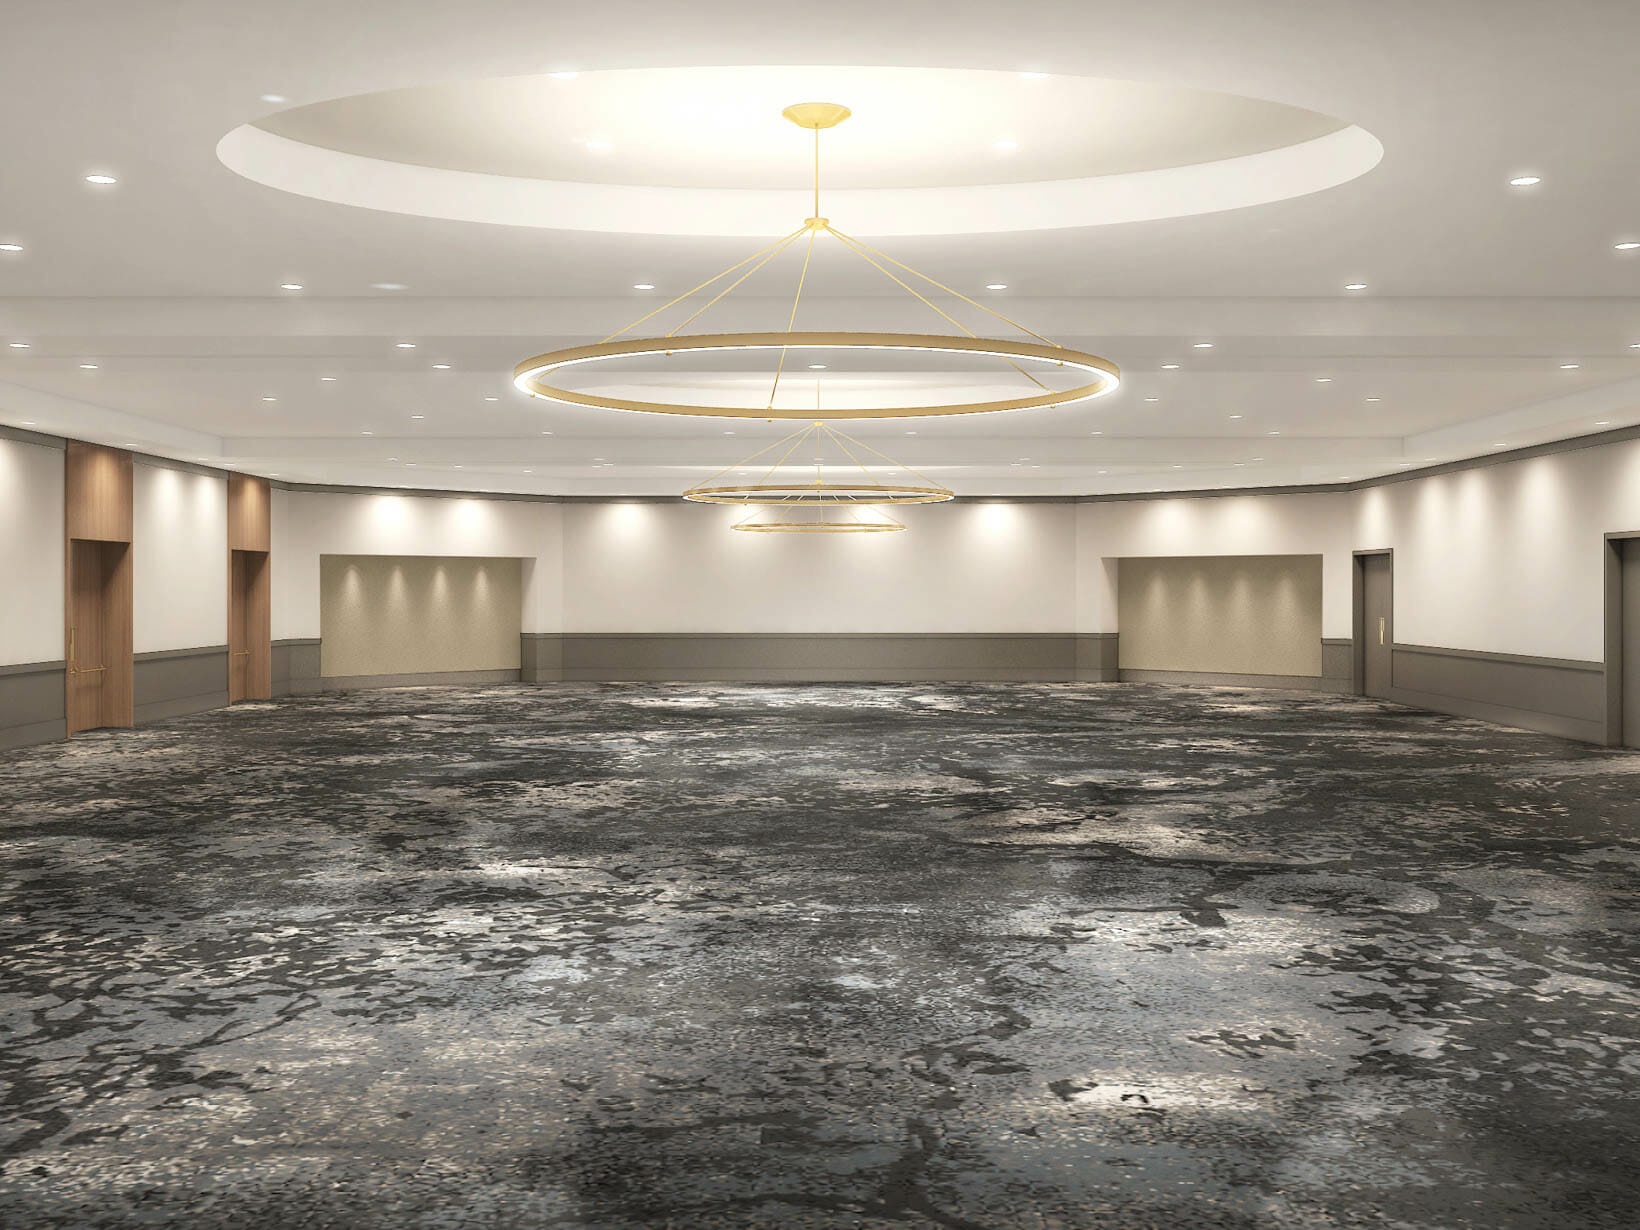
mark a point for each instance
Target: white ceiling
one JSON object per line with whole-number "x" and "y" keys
{"x": 1477, "y": 294}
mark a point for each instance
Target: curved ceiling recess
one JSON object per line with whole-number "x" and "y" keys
{"x": 1060, "y": 376}
{"x": 698, "y": 151}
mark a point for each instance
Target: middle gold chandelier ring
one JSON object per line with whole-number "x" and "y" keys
{"x": 532, "y": 375}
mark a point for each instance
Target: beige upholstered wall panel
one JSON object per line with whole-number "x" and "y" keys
{"x": 1233, "y": 614}
{"x": 416, "y": 614}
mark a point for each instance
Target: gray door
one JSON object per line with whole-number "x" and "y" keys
{"x": 1631, "y": 642}
{"x": 1379, "y": 624}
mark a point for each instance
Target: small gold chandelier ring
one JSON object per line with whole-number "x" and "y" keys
{"x": 818, "y": 527}
{"x": 530, "y": 375}
{"x": 816, "y": 495}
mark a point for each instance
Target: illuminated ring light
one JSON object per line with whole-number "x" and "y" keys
{"x": 818, "y": 527}
{"x": 528, "y": 375}
{"x": 842, "y": 495}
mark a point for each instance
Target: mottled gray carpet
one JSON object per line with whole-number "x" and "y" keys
{"x": 880, "y": 956}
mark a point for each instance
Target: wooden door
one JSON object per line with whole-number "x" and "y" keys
{"x": 1378, "y": 623}
{"x": 1630, "y": 598}
{"x": 87, "y": 648}
{"x": 250, "y": 649}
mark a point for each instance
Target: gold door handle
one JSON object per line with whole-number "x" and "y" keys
{"x": 240, "y": 653}
{"x": 71, "y": 647}
{"x": 89, "y": 670}
{"x": 1381, "y": 629}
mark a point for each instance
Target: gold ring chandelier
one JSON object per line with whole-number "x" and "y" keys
{"x": 536, "y": 376}
{"x": 821, "y": 505}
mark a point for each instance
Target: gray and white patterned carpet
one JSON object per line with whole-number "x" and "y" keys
{"x": 881, "y": 956}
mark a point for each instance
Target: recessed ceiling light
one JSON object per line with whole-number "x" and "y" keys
{"x": 492, "y": 399}
{"x": 409, "y": 463}
{"x": 367, "y": 433}
{"x": 529, "y": 471}
{"x": 728, "y": 433}
{"x": 1634, "y": 345}
{"x": 441, "y": 367}
{"x": 274, "y": 98}
{"x": 18, "y": 345}
{"x": 1500, "y": 446}
{"x": 327, "y": 379}
{"x": 418, "y": 416}
{"x": 405, "y": 345}
{"x": 270, "y": 399}
{"x": 1169, "y": 367}
{"x": 388, "y": 286}
{"x": 392, "y": 458}
{"x": 910, "y": 433}
{"x": 1355, "y": 286}
{"x": 30, "y": 423}
{"x": 1569, "y": 367}
{"x": 1007, "y": 145}
{"x": 546, "y": 433}
{"x": 1235, "y": 416}
{"x": 643, "y": 286}
{"x": 817, "y": 367}
{"x": 1153, "y": 399}
{"x": 11, "y": 247}
{"x": 290, "y": 286}
{"x": 1272, "y": 433}
{"x": 1178, "y": 467}
{"x": 1525, "y": 181}
{"x": 996, "y": 286}
{"x": 88, "y": 367}
{"x": 1204, "y": 345}
{"x": 1628, "y": 245}
{"x": 1375, "y": 399}
{"x": 1602, "y": 422}
{"x": 1258, "y": 459}
{"x": 101, "y": 179}
{"x": 1403, "y": 464}
{"x": 1096, "y": 433}
{"x": 1323, "y": 379}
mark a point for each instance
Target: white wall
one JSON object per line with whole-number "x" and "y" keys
{"x": 180, "y": 559}
{"x": 31, "y": 553}
{"x": 1218, "y": 525}
{"x": 309, "y": 524}
{"x": 631, "y": 567}
{"x": 1507, "y": 558}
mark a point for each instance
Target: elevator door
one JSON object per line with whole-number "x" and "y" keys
{"x": 1631, "y": 642}
{"x": 1378, "y": 624}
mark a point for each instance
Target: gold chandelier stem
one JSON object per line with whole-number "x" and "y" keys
{"x": 948, "y": 290}
{"x": 816, "y": 213}
{"x": 702, "y": 286}
{"x": 856, "y": 247}
{"x": 796, "y": 299}
{"x": 783, "y": 245}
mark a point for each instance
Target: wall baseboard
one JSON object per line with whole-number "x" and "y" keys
{"x": 1222, "y": 679}
{"x": 1557, "y": 696}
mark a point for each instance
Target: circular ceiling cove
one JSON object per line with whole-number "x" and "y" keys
{"x": 705, "y": 151}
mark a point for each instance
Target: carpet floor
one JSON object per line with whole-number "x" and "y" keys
{"x": 890, "y": 956}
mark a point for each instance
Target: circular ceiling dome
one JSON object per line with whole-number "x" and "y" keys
{"x": 705, "y": 151}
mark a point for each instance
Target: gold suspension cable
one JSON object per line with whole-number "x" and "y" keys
{"x": 796, "y": 299}
{"x": 783, "y": 245}
{"x": 801, "y": 436}
{"x": 932, "y": 282}
{"x": 898, "y": 465}
{"x": 912, "y": 290}
{"x": 702, "y": 286}
{"x": 744, "y": 460}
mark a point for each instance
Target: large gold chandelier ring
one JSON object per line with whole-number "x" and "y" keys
{"x": 531, "y": 376}
{"x": 811, "y": 495}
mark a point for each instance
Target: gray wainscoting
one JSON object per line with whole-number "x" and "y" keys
{"x": 295, "y": 666}
{"x": 1098, "y": 657}
{"x": 541, "y": 657}
{"x": 347, "y": 683}
{"x": 33, "y": 703}
{"x": 804, "y": 658}
{"x": 1337, "y": 664}
{"x": 1559, "y": 696}
{"x": 170, "y": 682}
{"x": 1336, "y": 658}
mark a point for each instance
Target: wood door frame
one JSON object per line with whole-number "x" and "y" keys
{"x": 1614, "y": 736}
{"x": 1358, "y": 616}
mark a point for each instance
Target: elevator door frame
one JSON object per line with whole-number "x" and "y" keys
{"x": 1614, "y": 638}
{"x": 1358, "y": 596}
